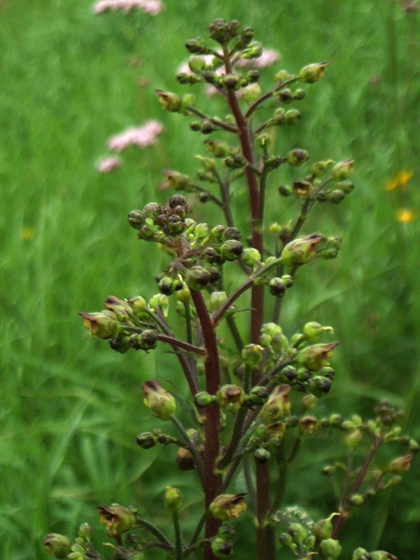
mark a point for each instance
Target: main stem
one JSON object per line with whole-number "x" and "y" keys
{"x": 212, "y": 480}
{"x": 266, "y": 547}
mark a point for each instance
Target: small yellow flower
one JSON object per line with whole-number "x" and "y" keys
{"x": 27, "y": 232}
{"x": 405, "y": 215}
{"x": 399, "y": 180}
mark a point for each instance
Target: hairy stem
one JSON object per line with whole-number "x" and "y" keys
{"x": 153, "y": 530}
{"x": 178, "y": 537}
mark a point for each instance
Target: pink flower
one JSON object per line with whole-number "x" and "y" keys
{"x": 268, "y": 57}
{"x": 152, "y": 7}
{"x": 108, "y": 164}
{"x": 141, "y": 136}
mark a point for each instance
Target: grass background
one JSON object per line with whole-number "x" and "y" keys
{"x": 69, "y": 407}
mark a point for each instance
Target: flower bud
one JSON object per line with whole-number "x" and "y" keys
{"x": 198, "y": 278}
{"x": 161, "y": 403}
{"x": 170, "y": 101}
{"x": 313, "y": 330}
{"x": 276, "y": 287}
{"x": 359, "y": 554}
{"x": 147, "y": 340}
{"x": 323, "y": 529}
{"x": 342, "y": 170}
{"x": 251, "y": 257}
{"x": 297, "y": 157}
{"x": 146, "y": 440}
{"x": 227, "y": 506}
{"x": 277, "y": 405}
{"x": 297, "y": 532}
{"x": 320, "y": 168}
{"x": 336, "y": 196}
{"x": 57, "y": 545}
{"x": 221, "y": 548}
{"x": 252, "y": 354}
{"x": 302, "y": 189}
{"x": 232, "y": 233}
{"x": 203, "y": 399}
{"x": 136, "y": 218}
{"x": 283, "y": 76}
{"x": 346, "y": 186}
{"x": 401, "y": 464}
{"x": 258, "y": 395}
{"x": 184, "y": 295}
{"x": 357, "y": 500}
{"x": 216, "y": 300}
{"x": 330, "y": 549}
{"x": 382, "y": 555}
{"x": 313, "y": 72}
{"x": 316, "y": 356}
{"x": 308, "y": 424}
{"x": 196, "y": 63}
{"x": 185, "y": 460}
{"x": 230, "y": 397}
{"x": 174, "y": 500}
{"x": 231, "y": 250}
{"x": 218, "y": 148}
{"x": 285, "y": 190}
{"x": 166, "y": 286}
{"x": 118, "y": 519}
{"x": 251, "y": 93}
{"x": 177, "y": 180}
{"x": 354, "y": 438}
{"x": 102, "y": 324}
{"x": 292, "y": 116}
{"x": 261, "y": 456}
{"x": 301, "y": 250}
{"x": 320, "y": 386}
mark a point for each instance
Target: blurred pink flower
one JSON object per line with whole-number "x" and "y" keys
{"x": 141, "y": 136}
{"x": 152, "y": 7}
{"x": 108, "y": 164}
{"x": 267, "y": 58}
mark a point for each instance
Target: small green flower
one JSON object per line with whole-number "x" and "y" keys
{"x": 161, "y": 403}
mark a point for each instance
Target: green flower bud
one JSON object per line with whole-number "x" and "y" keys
{"x": 283, "y": 76}
{"x": 277, "y": 405}
{"x": 300, "y": 250}
{"x": 177, "y": 180}
{"x": 159, "y": 300}
{"x": 102, "y": 324}
{"x": 297, "y": 532}
{"x": 216, "y": 300}
{"x": 264, "y": 140}
{"x": 354, "y": 438}
{"x": 208, "y": 164}
{"x": 203, "y": 399}
{"x": 174, "y": 500}
{"x": 323, "y": 529}
{"x": 308, "y": 424}
{"x": 277, "y": 288}
{"x": 265, "y": 340}
{"x": 313, "y": 330}
{"x": 287, "y": 280}
{"x": 136, "y": 218}
{"x": 196, "y": 63}
{"x": 253, "y": 51}
{"x": 251, "y": 257}
{"x": 299, "y": 94}
{"x": 285, "y": 95}
{"x": 302, "y": 189}
{"x": 117, "y": 519}
{"x": 251, "y": 93}
{"x": 185, "y": 460}
{"x": 186, "y": 78}
{"x": 313, "y": 72}
{"x": 221, "y": 548}
{"x": 230, "y": 397}
{"x": 292, "y": 116}
{"x": 198, "y": 278}
{"x": 170, "y": 101}
{"x": 184, "y": 295}
{"x": 342, "y": 170}
{"x": 261, "y": 456}
{"x": 227, "y": 506}
{"x": 218, "y": 148}
{"x": 285, "y": 540}
{"x": 85, "y": 532}
{"x": 382, "y": 555}
{"x": 231, "y": 250}
{"x": 316, "y": 356}
{"x": 359, "y": 554}
{"x": 329, "y": 470}
{"x": 336, "y": 196}
{"x": 161, "y": 403}
{"x": 146, "y": 440}
{"x": 57, "y": 545}
{"x": 320, "y": 386}
{"x": 279, "y": 342}
{"x": 297, "y": 157}
{"x": 357, "y": 500}
{"x": 252, "y": 354}
{"x": 166, "y": 286}
{"x": 330, "y": 549}
{"x": 320, "y": 168}
{"x": 346, "y": 186}
{"x": 401, "y": 464}
{"x": 258, "y": 395}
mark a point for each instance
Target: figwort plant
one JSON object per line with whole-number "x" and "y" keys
{"x": 260, "y": 389}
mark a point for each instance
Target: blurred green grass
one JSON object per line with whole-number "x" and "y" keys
{"x": 70, "y": 408}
